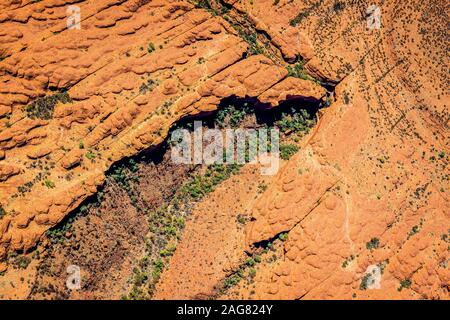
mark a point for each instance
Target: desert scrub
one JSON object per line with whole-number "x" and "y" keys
{"x": 347, "y": 261}
{"x": 231, "y": 116}
{"x": 168, "y": 251}
{"x": 283, "y": 236}
{"x": 404, "y": 284}
{"x": 167, "y": 222}
{"x": 414, "y": 230}
{"x": 295, "y": 121}
{"x": 262, "y": 187}
{"x": 298, "y": 18}
{"x": 338, "y": 6}
{"x": 204, "y": 4}
{"x": 374, "y": 243}
{"x": 366, "y": 281}
{"x": 58, "y": 233}
{"x": 147, "y": 86}
{"x": 298, "y": 71}
{"x": 254, "y": 48}
{"x": 2, "y": 212}
{"x": 43, "y": 107}
{"x": 21, "y": 262}
{"x": 3, "y": 54}
{"x": 151, "y": 47}
{"x": 126, "y": 175}
{"x": 246, "y": 271}
{"x": 232, "y": 280}
{"x": 90, "y": 155}
{"x": 201, "y": 185}
{"x": 288, "y": 150}
{"x": 49, "y": 184}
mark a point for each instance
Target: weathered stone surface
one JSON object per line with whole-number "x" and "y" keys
{"x": 375, "y": 166}
{"x": 132, "y": 70}
{"x": 370, "y": 170}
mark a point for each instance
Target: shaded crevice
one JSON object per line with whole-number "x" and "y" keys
{"x": 156, "y": 156}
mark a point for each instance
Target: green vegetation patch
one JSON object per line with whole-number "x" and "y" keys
{"x": 90, "y": 155}
{"x": 3, "y": 54}
{"x": 295, "y": 121}
{"x": 147, "y": 86}
{"x": 21, "y": 262}
{"x": 203, "y": 184}
{"x": 231, "y": 116}
{"x": 365, "y": 281}
{"x": 203, "y": 4}
{"x": 297, "y": 70}
{"x": 299, "y": 18}
{"x": 288, "y": 150}
{"x": 374, "y": 243}
{"x": 49, "y": 184}
{"x": 151, "y": 47}
{"x": 167, "y": 222}
{"x": 404, "y": 284}
{"x": 251, "y": 37}
{"x": 43, "y": 107}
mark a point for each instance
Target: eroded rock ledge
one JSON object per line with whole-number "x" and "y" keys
{"x": 133, "y": 69}
{"x": 368, "y": 189}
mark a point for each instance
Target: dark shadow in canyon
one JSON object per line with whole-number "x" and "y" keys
{"x": 107, "y": 235}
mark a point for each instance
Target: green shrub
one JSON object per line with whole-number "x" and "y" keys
{"x": 283, "y": 236}
{"x": 288, "y": 150}
{"x": 168, "y": 251}
{"x": 414, "y": 230}
{"x": 140, "y": 277}
{"x": 22, "y": 262}
{"x": 49, "y": 184}
{"x": 151, "y": 47}
{"x": 254, "y": 48}
{"x": 231, "y": 116}
{"x": 232, "y": 280}
{"x": 242, "y": 218}
{"x": 374, "y": 243}
{"x": 204, "y": 4}
{"x": 200, "y": 185}
{"x": 298, "y": 18}
{"x": 158, "y": 267}
{"x": 90, "y": 155}
{"x": 295, "y": 121}
{"x": 262, "y": 187}
{"x": 3, "y": 54}
{"x": 250, "y": 262}
{"x": 365, "y": 281}
{"x": 404, "y": 284}
{"x": 338, "y": 6}
{"x": 147, "y": 86}
{"x": 43, "y": 107}
{"x": 298, "y": 71}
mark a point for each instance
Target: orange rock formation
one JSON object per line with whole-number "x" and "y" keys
{"x": 376, "y": 165}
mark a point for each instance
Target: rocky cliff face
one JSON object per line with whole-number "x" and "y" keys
{"x": 366, "y": 194}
